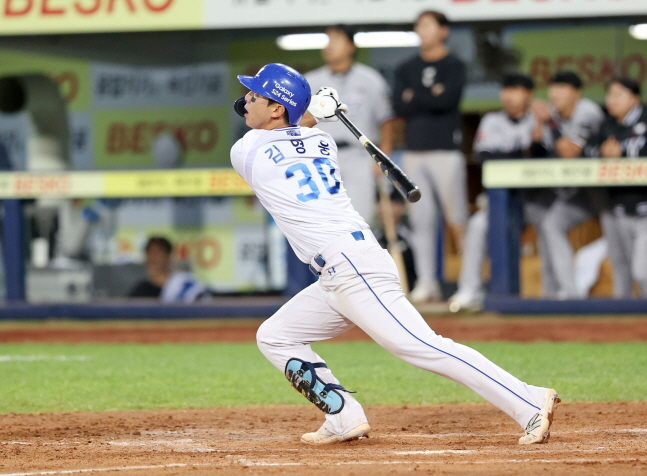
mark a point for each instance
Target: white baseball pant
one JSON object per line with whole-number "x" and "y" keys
{"x": 442, "y": 175}
{"x": 359, "y": 286}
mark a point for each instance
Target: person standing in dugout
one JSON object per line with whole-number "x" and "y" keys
{"x": 293, "y": 169}
{"x": 564, "y": 126}
{"x": 427, "y": 93}
{"x": 624, "y": 134}
{"x": 368, "y": 97}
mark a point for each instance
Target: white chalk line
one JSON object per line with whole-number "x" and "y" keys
{"x": 100, "y": 470}
{"x": 491, "y": 435}
{"x": 248, "y": 462}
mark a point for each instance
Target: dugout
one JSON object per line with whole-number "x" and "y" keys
{"x": 99, "y": 60}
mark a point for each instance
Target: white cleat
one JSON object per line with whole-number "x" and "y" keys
{"x": 463, "y": 302}
{"x": 325, "y": 437}
{"x": 538, "y": 429}
{"x": 424, "y": 291}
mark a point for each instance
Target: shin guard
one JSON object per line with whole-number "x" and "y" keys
{"x": 303, "y": 377}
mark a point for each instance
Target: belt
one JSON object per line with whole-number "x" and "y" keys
{"x": 321, "y": 262}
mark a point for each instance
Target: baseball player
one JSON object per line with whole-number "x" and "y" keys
{"x": 563, "y": 128}
{"x": 294, "y": 172}
{"x": 505, "y": 134}
{"x": 368, "y": 97}
{"x": 624, "y": 134}
{"x": 427, "y": 93}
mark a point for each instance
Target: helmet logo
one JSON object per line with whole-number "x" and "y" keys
{"x": 282, "y": 89}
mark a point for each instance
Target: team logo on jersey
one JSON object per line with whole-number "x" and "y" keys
{"x": 293, "y": 133}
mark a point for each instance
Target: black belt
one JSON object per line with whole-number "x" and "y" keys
{"x": 358, "y": 235}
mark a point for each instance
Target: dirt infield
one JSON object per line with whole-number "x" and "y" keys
{"x": 485, "y": 328}
{"x": 587, "y": 438}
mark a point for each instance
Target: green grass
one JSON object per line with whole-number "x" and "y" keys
{"x": 134, "y": 376}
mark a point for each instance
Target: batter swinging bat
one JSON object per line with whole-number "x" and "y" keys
{"x": 402, "y": 183}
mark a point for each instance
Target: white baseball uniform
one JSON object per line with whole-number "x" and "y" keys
{"x": 368, "y": 98}
{"x": 295, "y": 174}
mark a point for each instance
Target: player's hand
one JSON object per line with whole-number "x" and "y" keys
{"x": 611, "y": 148}
{"x": 540, "y": 110}
{"x": 324, "y": 104}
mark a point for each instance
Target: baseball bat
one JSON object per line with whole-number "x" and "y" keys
{"x": 402, "y": 183}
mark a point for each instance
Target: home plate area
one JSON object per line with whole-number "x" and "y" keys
{"x": 587, "y": 438}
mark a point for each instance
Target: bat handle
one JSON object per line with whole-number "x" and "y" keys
{"x": 414, "y": 195}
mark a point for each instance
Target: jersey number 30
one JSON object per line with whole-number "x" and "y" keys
{"x": 307, "y": 180}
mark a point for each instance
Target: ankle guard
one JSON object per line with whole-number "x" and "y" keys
{"x": 303, "y": 378}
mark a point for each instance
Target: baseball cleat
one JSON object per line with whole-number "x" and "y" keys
{"x": 538, "y": 428}
{"x": 325, "y": 437}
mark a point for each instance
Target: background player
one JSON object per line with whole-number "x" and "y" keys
{"x": 294, "y": 172}
{"x": 624, "y": 134}
{"x": 563, "y": 128}
{"x": 368, "y": 97}
{"x": 427, "y": 92}
{"x": 505, "y": 134}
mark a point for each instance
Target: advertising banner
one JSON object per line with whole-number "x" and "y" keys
{"x": 258, "y": 13}
{"x": 596, "y": 54}
{"x": 564, "y": 173}
{"x": 22, "y": 17}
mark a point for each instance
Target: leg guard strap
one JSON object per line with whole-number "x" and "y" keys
{"x": 303, "y": 377}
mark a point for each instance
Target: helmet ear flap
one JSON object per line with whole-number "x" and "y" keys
{"x": 239, "y": 106}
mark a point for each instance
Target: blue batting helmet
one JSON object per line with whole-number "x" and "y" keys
{"x": 282, "y": 84}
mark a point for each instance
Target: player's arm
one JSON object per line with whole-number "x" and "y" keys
{"x": 440, "y": 97}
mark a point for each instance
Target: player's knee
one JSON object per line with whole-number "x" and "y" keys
{"x": 264, "y": 337}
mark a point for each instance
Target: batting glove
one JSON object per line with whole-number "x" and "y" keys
{"x": 324, "y": 104}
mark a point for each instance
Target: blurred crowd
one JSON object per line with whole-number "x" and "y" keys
{"x": 426, "y": 95}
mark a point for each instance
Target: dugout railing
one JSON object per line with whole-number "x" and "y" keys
{"x": 500, "y": 178}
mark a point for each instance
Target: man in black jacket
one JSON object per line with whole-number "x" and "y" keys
{"x": 624, "y": 134}
{"x": 427, "y": 93}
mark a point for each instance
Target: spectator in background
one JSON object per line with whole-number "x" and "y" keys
{"x": 505, "y": 134}
{"x": 427, "y": 93}
{"x": 563, "y": 128}
{"x": 624, "y": 134}
{"x": 367, "y": 95}
{"x": 164, "y": 283}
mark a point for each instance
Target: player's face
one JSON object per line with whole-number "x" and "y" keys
{"x": 430, "y": 31}
{"x": 563, "y": 96}
{"x": 620, "y": 100}
{"x": 339, "y": 47}
{"x": 515, "y": 100}
{"x": 157, "y": 259}
{"x": 259, "y": 113}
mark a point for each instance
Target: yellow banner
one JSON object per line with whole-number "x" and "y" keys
{"x": 19, "y": 17}
{"x": 154, "y": 183}
{"x": 564, "y": 173}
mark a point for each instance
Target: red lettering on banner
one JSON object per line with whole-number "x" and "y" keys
{"x": 199, "y": 136}
{"x": 87, "y": 11}
{"x": 68, "y": 84}
{"x": 629, "y": 65}
{"x": 59, "y": 185}
{"x": 111, "y": 5}
{"x": 158, "y": 8}
{"x": 16, "y": 8}
{"x": 595, "y": 71}
{"x": 47, "y": 10}
{"x": 622, "y": 172}
{"x": 11, "y": 10}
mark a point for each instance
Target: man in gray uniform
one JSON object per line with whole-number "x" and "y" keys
{"x": 563, "y": 128}
{"x": 624, "y": 134}
{"x": 368, "y": 97}
{"x": 505, "y": 134}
